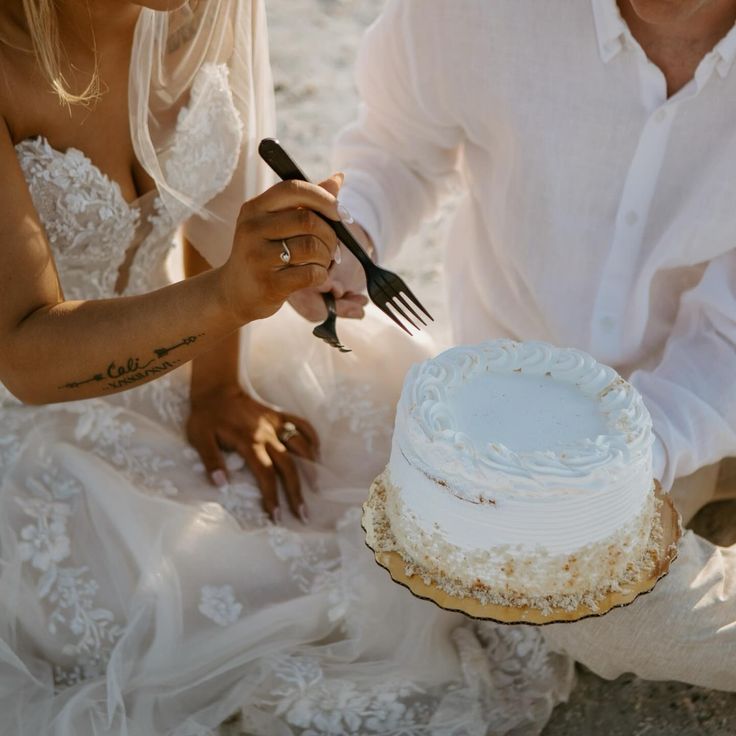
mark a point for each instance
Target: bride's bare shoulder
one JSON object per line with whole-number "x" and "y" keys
{"x": 17, "y": 69}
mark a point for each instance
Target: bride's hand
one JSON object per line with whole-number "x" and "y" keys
{"x": 226, "y": 418}
{"x": 255, "y": 281}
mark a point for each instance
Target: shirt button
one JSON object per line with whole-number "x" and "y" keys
{"x": 607, "y": 324}
{"x": 660, "y": 115}
{"x": 631, "y": 218}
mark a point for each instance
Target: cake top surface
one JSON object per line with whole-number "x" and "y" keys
{"x": 538, "y": 415}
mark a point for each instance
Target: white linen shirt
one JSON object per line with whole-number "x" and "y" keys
{"x": 597, "y": 213}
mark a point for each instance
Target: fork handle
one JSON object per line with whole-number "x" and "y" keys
{"x": 272, "y": 152}
{"x": 329, "y": 299}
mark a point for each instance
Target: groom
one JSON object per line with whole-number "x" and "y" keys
{"x": 596, "y": 147}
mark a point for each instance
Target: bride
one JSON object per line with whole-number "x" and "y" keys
{"x": 174, "y": 549}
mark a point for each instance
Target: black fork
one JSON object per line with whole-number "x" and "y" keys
{"x": 326, "y": 331}
{"x": 386, "y": 290}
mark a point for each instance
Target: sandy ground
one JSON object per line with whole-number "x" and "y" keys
{"x": 313, "y": 46}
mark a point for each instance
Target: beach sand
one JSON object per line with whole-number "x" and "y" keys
{"x": 313, "y": 46}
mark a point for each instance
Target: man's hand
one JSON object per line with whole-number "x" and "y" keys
{"x": 226, "y": 418}
{"x": 346, "y": 279}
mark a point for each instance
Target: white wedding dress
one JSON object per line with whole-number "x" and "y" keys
{"x": 136, "y": 598}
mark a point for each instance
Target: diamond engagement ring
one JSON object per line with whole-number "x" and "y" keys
{"x": 288, "y": 431}
{"x": 285, "y": 254}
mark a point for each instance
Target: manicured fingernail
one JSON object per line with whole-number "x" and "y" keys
{"x": 344, "y": 213}
{"x": 338, "y": 255}
{"x": 276, "y": 515}
{"x": 304, "y": 514}
{"x": 219, "y": 478}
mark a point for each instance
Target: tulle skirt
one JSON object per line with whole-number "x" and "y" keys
{"x": 136, "y": 598}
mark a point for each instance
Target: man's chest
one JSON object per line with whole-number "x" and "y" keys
{"x": 567, "y": 147}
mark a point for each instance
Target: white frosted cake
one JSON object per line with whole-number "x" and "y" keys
{"x": 520, "y": 474}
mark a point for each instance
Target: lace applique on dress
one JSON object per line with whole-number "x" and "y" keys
{"x": 10, "y": 437}
{"x": 166, "y": 399}
{"x": 319, "y": 705}
{"x": 108, "y": 432}
{"x": 88, "y": 223}
{"x": 219, "y": 605}
{"x": 313, "y": 566}
{"x": 508, "y": 679}
{"x": 208, "y": 137}
{"x": 89, "y": 630}
{"x": 355, "y": 403}
{"x": 240, "y": 498}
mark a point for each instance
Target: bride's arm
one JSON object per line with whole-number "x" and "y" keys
{"x": 217, "y": 367}
{"x": 222, "y": 414}
{"x": 55, "y": 350}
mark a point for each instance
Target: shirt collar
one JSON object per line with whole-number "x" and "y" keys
{"x": 612, "y": 31}
{"x": 725, "y": 50}
{"x": 609, "y": 27}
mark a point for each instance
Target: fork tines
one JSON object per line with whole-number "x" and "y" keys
{"x": 390, "y": 294}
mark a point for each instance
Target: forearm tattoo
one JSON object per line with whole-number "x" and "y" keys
{"x": 119, "y": 374}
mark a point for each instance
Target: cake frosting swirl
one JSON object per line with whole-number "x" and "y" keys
{"x": 522, "y": 469}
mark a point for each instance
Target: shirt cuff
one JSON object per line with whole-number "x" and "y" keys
{"x": 365, "y": 214}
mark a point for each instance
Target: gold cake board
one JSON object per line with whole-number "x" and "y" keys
{"x": 666, "y": 549}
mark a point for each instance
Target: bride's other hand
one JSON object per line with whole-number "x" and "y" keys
{"x": 255, "y": 281}
{"x": 226, "y": 418}
{"x": 346, "y": 280}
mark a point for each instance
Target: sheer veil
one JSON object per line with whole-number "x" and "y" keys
{"x": 170, "y": 51}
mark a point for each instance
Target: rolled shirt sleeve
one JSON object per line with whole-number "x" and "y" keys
{"x": 691, "y": 394}
{"x": 401, "y": 154}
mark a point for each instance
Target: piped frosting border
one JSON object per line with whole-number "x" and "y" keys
{"x": 430, "y": 439}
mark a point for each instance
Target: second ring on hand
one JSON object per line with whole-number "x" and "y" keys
{"x": 285, "y": 254}
{"x": 288, "y": 430}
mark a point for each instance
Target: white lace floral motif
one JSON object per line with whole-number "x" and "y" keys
{"x": 208, "y": 130}
{"x": 365, "y": 416}
{"x": 323, "y": 706}
{"x": 90, "y": 630}
{"x": 109, "y": 432}
{"x": 88, "y": 223}
{"x": 219, "y": 605}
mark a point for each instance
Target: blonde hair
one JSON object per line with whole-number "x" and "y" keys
{"x": 43, "y": 27}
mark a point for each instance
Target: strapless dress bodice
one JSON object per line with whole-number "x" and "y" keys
{"x": 104, "y": 246}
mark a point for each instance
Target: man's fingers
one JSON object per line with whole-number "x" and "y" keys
{"x": 205, "y": 443}
{"x": 309, "y": 304}
{"x": 351, "y": 306}
{"x": 289, "y": 478}
{"x": 356, "y": 298}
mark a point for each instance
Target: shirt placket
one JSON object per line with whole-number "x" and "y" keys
{"x": 609, "y": 325}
